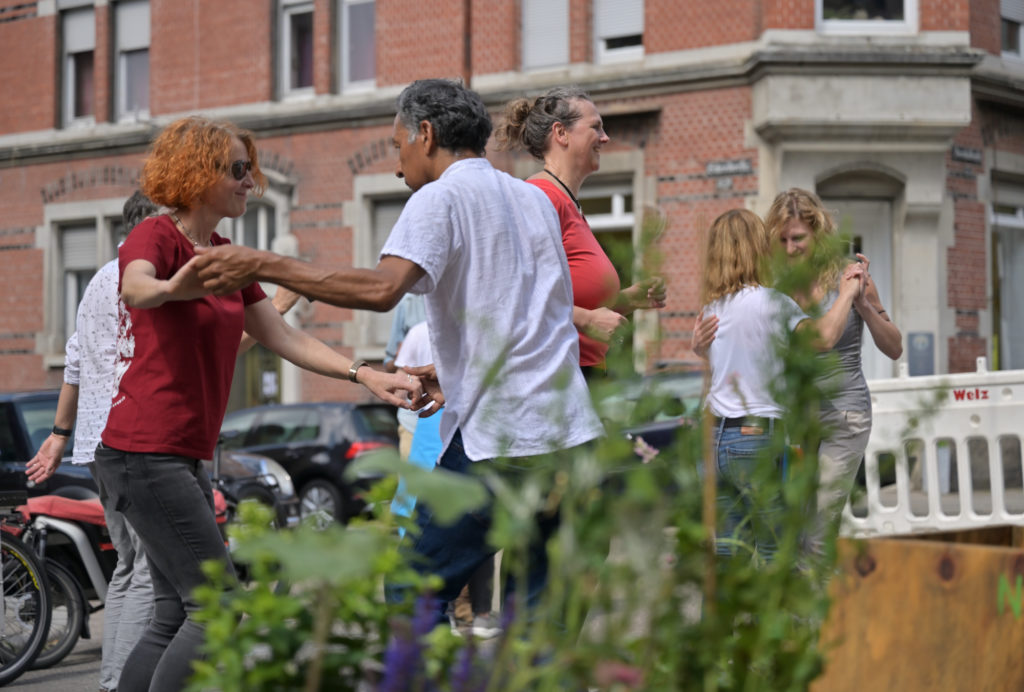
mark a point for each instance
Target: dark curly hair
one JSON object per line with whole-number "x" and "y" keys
{"x": 457, "y": 114}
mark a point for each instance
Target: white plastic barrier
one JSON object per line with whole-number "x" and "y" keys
{"x": 981, "y": 416}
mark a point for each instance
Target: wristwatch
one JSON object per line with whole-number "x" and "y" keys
{"x": 355, "y": 367}
{"x": 61, "y": 432}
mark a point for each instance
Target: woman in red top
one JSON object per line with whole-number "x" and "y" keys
{"x": 176, "y": 352}
{"x": 563, "y": 129}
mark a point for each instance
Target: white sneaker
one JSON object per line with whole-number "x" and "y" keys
{"x": 485, "y": 626}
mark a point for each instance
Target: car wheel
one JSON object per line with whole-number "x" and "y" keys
{"x": 320, "y": 500}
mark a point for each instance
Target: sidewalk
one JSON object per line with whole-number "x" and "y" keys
{"x": 78, "y": 672}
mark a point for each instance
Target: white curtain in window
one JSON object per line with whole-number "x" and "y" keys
{"x": 1010, "y": 262}
{"x": 360, "y": 63}
{"x": 545, "y": 33}
{"x": 79, "y": 31}
{"x": 385, "y": 215}
{"x": 132, "y": 24}
{"x": 1012, "y": 10}
{"x": 78, "y": 248}
{"x": 618, "y": 18}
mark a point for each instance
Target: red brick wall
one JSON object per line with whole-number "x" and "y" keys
{"x": 21, "y": 281}
{"x": 33, "y": 81}
{"x": 985, "y": 25}
{"x": 967, "y": 260}
{"x": 497, "y": 27}
{"x": 581, "y": 31}
{"x": 206, "y": 55}
{"x": 418, "y": 39}
{"x": 945, "y": 15}
{"x": 694, "y": 129}
{"x": 672, "y": 25}
{"x": 788, "y": 14}
{"x": 103, "y": 57}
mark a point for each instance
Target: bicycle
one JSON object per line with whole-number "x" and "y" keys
{"x": 25, "y": 607}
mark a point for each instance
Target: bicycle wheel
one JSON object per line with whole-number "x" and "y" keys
{"x": 25, "y": 608}
{"x": 67, "y": 614}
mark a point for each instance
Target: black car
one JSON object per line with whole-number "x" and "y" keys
{"x": 26, "y": 419}
{"x": 315, "y": 442}
{"x": 655, "y": 407}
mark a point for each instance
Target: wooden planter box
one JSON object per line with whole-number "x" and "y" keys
{"x": 945, "y": 613}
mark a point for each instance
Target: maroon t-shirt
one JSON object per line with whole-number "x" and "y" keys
{"x": 174, "y": 362}
{"x": 595, "y": 282}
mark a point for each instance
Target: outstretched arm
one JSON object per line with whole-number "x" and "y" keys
{"x": 227, "y": 268}
{"x": 264, "y": 323}
{"x": 48, "y": 458}
{"x": 283, "y": 301}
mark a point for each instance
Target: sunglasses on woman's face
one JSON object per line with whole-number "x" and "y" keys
{"x": 240, "y": 168}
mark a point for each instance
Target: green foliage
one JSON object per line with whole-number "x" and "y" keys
{"x": 636, "y": 601}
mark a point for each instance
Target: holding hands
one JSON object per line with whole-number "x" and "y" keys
{"x": 427, "y": 375}
{"x": 386, "y": 385}
{"x": 853, "y": 281}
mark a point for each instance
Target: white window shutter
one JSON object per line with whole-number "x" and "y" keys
{"x": 545, "y": 33}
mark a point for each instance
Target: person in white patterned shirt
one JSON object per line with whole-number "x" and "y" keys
{"x": 85, "y": 398}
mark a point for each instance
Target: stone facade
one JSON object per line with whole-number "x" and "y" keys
{"x": 726, "y": 104}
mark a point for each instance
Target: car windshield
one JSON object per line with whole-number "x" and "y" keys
{"x": 377, "y": 420}
{"x": 38, "y": 416}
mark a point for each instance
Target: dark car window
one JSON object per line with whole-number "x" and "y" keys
{"x": 377, "y": 420}
{"x": 8, "y": 449}
{"x": 286, "y": 425}
{"x": 38, "y": 417}
{"x": 236, "y": 428}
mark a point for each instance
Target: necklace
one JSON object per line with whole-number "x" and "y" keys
{"x": 181, "y": 227}
{"x": 567, "y": 191}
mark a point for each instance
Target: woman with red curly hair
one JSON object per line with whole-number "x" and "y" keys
{"x": 175, "y": 360}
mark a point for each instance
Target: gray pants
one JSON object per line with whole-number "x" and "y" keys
{"x": 839, "y": 457}
{"x": 169, "y": 501}
{"x": 129, "y": 602}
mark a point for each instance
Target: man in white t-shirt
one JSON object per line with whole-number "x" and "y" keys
{"x": 485, "y": 250}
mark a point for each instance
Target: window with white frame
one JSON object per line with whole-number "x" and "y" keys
{"x": 545, "y": 39}
{"x": 385, "y": 213}
{"x": 78, "y": 33}
{"x": 356, "y": 45}
{"x": 618, "y": 30}
{"x": 132, "y": 59}
{"x": 1007, "y": 223}
{"x": 78, "y": 264}
{"x": 1012, "y": 18}
{"x": 256, "y": 228}
{"x": 296, "y": 48}
{"x": 866, "y": 17}
{"x": 608, "y": 207}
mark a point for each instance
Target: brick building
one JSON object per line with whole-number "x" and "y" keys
{"x": 907, "y": 116}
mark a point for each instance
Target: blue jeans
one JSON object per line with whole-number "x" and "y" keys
{"x": 749, "y": 511}
{"x": 454, "y": 552}
{"x": 169, "y": 502}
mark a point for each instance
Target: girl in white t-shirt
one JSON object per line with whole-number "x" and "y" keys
{"x": 752, "y": 320}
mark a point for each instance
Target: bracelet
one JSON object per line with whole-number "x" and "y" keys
{"x": 355, "y": 367}
{"x": 61, "y": 432}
